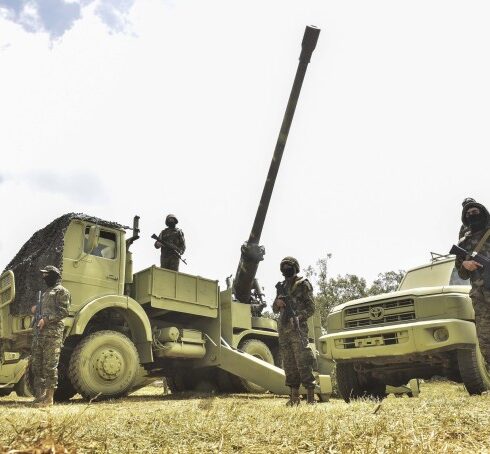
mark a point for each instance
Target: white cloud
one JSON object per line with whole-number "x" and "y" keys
{"x": 56, "y": 17}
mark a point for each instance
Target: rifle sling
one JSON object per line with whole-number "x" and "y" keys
{"x": 482, "y": 241}
{"x": 296, "y": 283}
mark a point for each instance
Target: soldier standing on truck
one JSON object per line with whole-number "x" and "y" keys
{"x": 295, "y": 303}
{"x": 171, "y": 241}
{"x": 476, "y": 239}
{"x": 48, "y": 336}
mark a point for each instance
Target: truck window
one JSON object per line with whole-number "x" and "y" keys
{"x": 439, "y": 274}
{"x": 106, "y": 247}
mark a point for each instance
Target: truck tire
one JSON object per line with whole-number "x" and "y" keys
{"x": 194, "y": 380}
{"x": 23, "y": 387}
{"x": 474, "y": 373}
{"x": 104, "y": 364}
{"x": 352, "y": 386}
{"x": 176, "y": 383}
{"x": 65, "y": 390}
{"x": 259, "y": 349}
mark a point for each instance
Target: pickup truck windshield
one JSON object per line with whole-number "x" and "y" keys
{"x": 436, "y": 275}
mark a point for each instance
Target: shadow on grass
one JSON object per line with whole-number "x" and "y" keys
{"x": 182, "y": 396}
{"x": 15, "y": 402}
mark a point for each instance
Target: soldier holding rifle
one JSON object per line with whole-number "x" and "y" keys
{"x": 471, "y": 261}
{"x": 295, "y": 303}
{"x": 50, "y": 311}
{"x": 171, "y": 241}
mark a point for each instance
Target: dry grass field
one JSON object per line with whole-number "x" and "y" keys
{"x": 444, "y": 419}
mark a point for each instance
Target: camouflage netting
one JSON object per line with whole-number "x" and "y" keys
{"x": 44, "y": 248}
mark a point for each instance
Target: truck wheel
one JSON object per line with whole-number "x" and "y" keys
{"x": 23, "y": 387}
{"x": 176, "y": 383}
{"x": 260, "y": 350}
{"x": 225, "y": 381}
{"x": 473, "y": 370}
{"x": 65, "y": 390}
{"x": 104, "y": 364}
{"x": 352, "y": 386}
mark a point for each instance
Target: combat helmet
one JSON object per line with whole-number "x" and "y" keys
{"x": 170, "y": 216}
{"x": 290, "y": 261}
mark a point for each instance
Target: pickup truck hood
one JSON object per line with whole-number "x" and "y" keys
{"x": 413, "y": 292}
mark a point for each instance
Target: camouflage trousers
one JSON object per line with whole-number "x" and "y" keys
{"x": 481, "y": 304}
{"x": 297, "y": 357}
{"x": 45, "y": 356}
{"x": 169, "y": 262}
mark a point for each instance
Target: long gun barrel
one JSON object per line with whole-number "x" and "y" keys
{"x": 251, "y": 252}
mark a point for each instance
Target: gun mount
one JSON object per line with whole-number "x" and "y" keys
{"x": 251, "y": 252}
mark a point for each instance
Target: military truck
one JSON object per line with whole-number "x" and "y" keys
{"x": 425, "y": 328}
{"x": 124, "y": 327}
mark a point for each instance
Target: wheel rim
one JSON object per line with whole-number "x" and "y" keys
{"x": 107, "y": 365}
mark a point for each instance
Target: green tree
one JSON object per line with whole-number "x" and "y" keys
{"x": 386, "y": 282}
{"x": 338, "y": 290}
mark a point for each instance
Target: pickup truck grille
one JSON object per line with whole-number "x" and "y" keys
{"x": 399, "y": 337}
{"x": 378, "y": 313}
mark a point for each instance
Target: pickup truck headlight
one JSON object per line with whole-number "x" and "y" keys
{"x": 441, "y": 334}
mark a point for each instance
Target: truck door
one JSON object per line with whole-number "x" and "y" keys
{"x": 92, "y": 272}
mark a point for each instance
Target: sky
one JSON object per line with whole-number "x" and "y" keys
{"x": 148, "y": 107}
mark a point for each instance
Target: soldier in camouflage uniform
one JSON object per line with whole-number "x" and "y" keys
{"x": 172, "y": 243}
{"x": 298, "y": 360}
{"x": 48, "y": 336}
{"x": 476, "y": 219}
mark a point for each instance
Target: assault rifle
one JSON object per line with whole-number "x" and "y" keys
{"x": 288, "y": 313}
{"x": 170, "y": 246}
{"x": 38, "y": 315}
{"x": 478, "y": 258}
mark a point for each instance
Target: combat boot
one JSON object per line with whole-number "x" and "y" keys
{"x": 293, "y": 398}
{"x": 310, "y": 396}
{"x": 48, "y": 399}
{"x": 39, "y": 395}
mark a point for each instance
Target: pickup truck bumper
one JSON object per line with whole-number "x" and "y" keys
{"x": 397, "y": 340}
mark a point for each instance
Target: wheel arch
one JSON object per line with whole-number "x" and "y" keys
{"x": 265, "y": 336}
{"x": 136, "y": 318}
